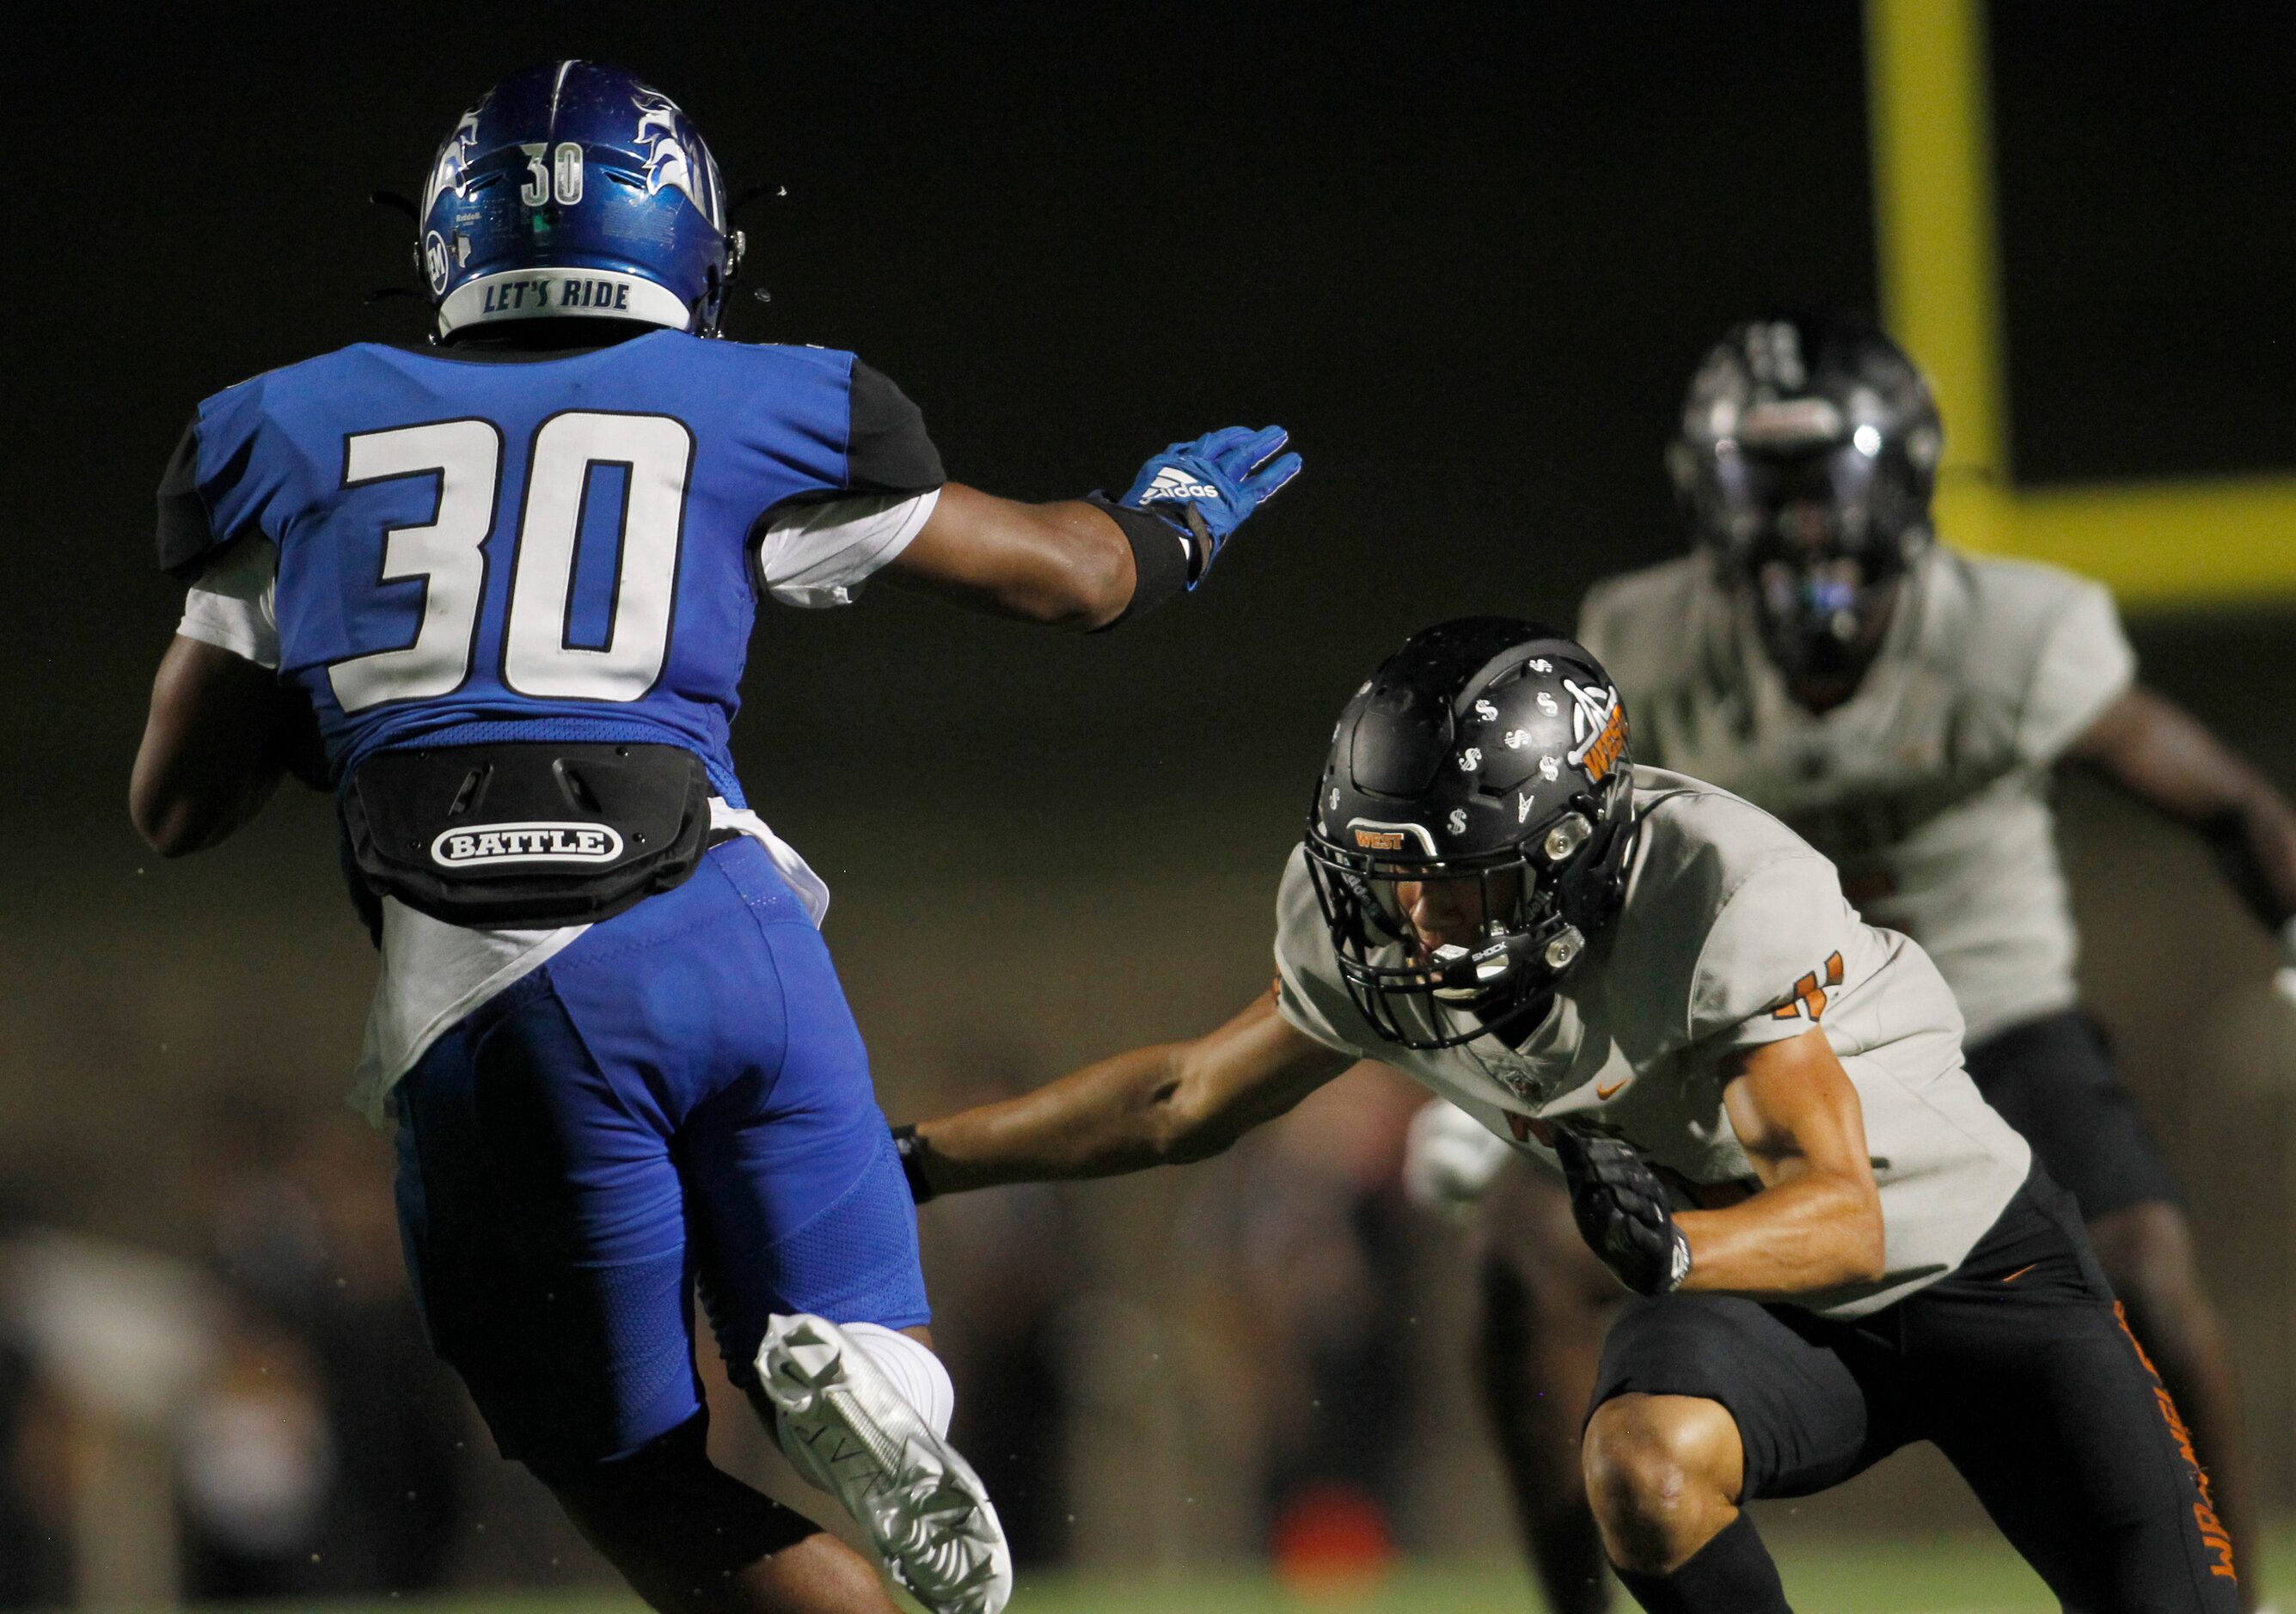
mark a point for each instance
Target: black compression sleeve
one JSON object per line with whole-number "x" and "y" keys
{"x": 1159, "y": 558}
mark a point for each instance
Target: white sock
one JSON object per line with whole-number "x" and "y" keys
{"x": 916, "y": 1372}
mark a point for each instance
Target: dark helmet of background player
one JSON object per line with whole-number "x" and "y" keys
{"x": 1482, "y": 769}
{"x": 1806, "y": 458}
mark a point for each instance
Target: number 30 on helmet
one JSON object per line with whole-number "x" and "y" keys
{"x": 578, "y": 190}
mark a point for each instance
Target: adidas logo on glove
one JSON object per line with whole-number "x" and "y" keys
{"x": 1172, "y": 483}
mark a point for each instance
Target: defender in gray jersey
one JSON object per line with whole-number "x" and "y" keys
{"x": 1756, "y": 1100}
{"x": 1900, "y": 707}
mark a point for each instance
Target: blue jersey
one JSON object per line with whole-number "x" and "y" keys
{"x": 484, "y": 545}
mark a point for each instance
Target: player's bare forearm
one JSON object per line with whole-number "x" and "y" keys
{"x": 1817, "y": 1231}
{"x": 1107, "y": 1119}
{"x": 212, "y": 751}
{"x": 1157, "y": 1106}
{"x": 1063, "y": 564}
{"x": 1816, "y": 1222}
{"x": 2157, "y": 752}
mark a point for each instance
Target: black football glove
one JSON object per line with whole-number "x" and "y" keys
{"x": 912, "y": 1149}
{"x": 1622, "y": 1213}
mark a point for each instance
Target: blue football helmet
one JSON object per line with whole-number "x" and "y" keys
{"x": 577, "y": 189}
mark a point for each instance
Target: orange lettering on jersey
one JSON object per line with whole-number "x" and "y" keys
{"x": 1808, "y": 998}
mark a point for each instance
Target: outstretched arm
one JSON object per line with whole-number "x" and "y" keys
{"x": 2155, "y": 750}
{"x": 1157, "y": 1106}
{"x": 221, "y": 732}
{"x": 1816, "y": 1222}
{"x": 1065, "y": 564}
{"x": 1090, "y": 563}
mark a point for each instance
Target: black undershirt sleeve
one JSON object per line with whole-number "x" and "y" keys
{"x": 887, "y": 449}
{"x": 187, "y": 536}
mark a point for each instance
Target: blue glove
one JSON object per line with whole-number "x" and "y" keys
{"x": 1206, "y": 488}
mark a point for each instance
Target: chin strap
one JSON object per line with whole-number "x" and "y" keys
{"x": 1514, "y": 1027}
{"x": 1594, "y": 889}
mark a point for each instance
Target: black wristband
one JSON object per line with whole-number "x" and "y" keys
{"x": 912, "y": 1149}
{"x": 1160, "y": 555}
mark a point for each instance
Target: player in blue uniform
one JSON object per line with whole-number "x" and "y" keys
{"x": 496, "y": 595}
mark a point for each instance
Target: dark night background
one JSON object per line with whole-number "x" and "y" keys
{"x": 1468, "y": 253}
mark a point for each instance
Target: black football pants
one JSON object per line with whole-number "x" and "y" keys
{"x": 2017, "y": 1366}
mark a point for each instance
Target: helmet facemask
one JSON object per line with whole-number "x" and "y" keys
{"x": 1437, "y": 952}
{"x": 1813, "y": 544}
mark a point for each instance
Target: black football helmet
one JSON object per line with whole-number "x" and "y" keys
{"x": 1472, "y": 828}
{"x": 1806, "y": 457}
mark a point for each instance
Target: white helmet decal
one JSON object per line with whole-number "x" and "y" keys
{"x": 452, "y": 170}
{"x": 667, "y": 160}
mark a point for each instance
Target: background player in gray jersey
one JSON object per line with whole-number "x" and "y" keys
{"x": 1902, "y": 706}
{"x": 1758, "y": 1103}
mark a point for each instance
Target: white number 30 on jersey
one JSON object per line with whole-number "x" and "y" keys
{"x": 448, "y": 555}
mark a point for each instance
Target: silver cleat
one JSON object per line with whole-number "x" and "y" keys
{"x": 926, "y": 1513}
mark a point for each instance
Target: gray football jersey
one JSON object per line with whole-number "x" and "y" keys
{"x": 1928, "y": 788}
{"x": 1733, "y": 933}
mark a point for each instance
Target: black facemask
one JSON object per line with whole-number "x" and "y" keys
{"x": 1814, "y": 540}
{"x": 1823, "y": 618}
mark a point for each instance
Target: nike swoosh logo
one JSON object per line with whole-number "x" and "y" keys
{"x": 1601, "y": 1092}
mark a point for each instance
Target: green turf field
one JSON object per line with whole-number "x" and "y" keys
{"x": 1947, "y": 1575}
{"x": 1942, "y": 1575}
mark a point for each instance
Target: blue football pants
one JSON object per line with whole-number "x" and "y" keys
{"x": 677, "y": 1101}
